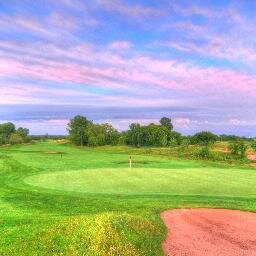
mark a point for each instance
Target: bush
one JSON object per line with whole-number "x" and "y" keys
{"x": 174, "y": 139}
{"x": 253, "y": 145}
{"x": 238, "y": 148}
{"x": 16, "y": 138}
{"x": 8, "y": 134}
{"x": 204, "y": 138}
{"x": 204, "y": 153}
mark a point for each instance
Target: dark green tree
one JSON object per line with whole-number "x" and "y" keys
{"x": 204, "y": 138}
{"x": 167, "y": 123}
{"x": 111, "y": 135}
{"x": 134, "y": 135}
{"x": 6, "y": 129}
{"x": 78, "y": 130}
{"x": 174, "y": 139}
{"x": 23, "y": 132}
{"x": 154, "y": 135}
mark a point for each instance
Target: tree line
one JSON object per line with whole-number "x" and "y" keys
{"x": 10, "y": 135}
{"x": 85, "y": 133}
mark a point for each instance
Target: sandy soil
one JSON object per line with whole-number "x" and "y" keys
{"x": 251, "y": 157}
{"x": 209, "y": 232}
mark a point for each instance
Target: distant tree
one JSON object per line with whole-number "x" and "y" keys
{"x": 3, "y": 139}
{"x": 111, "y": 135}
{"x": 225, "y": 137}
{"x": 122, "y": 138}
{"x": 253, "y": 145}
{"x": 154, "y": 135}
{"x": 167, "y": 123}
{"x": 185, "y": 141}
{"x": 78, "y": 130}
{"x": 8, "y": 134}
{"x": 84, "y": 132}
{"x": 174, "y": 138}
{"x": 134, "y": 135}
{"x": 16, "y": 138}
{"x": 238, "y": 148}
{"x": 23, "y": 132}
{"x": 95, "y": 133}
{"x": 6, "y": 129}
{"x": 204, "y": 138}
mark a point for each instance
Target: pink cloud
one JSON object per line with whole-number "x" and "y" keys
{"x": 115, "y": 71}
{"x": 195, "y": 10}
{"x": 121, "y": 45}
{"x": 140, "y": 76}
{"x": 234, "y": 43}
{"x": 132, "y": 11}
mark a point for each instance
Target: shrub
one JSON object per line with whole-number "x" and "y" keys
{"x": 174, "y": 139}
{"x": 238, "y": 148}
{"x": 253, "y": 145}
{"x": 204, "y": 138}
{"x": 16, "y": 138}
{"x": 204, "y": 152}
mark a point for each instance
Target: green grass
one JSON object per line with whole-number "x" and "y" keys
{"x": 57, "y": 199}
{"x": 137, "y": 181}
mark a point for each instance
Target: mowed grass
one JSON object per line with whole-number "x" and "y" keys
{"x": 136, "y": 181}
{"x": 58, "y": 199}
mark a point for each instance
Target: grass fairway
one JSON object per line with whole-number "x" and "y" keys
{"x": 88, "y": 202}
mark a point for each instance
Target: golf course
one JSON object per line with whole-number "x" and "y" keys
{"x": 61, "y": 199}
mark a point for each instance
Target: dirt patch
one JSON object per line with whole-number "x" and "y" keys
{"x": 252, "y": 157}
{"x": 211, "y": 232}
{"x": 54, "y": 153}
{"x": 51, "y": 152}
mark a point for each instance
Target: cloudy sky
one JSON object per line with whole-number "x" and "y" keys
{"x": 123, "y": 61}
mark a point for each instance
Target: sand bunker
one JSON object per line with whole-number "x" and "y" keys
{"x": 209, "y": 232}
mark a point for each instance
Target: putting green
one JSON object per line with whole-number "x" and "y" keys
{"x": 194, "y": 181}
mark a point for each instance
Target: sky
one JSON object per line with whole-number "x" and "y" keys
{"x": 129, "y": 61}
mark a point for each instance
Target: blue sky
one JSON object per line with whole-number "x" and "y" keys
{"x": 123, "y": 61}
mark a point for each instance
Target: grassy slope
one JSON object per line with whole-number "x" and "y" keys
{"x": 37, "y": 221}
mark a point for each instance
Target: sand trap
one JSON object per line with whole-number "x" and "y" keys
{"x": 209, "y": 232}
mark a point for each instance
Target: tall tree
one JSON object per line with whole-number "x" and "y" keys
{"x": 154, "y": 135}
{"x": 78, "y": 130}
{"x": 23, "y": 132}
{"x": 6, "y": 129}
{"x": 134, "y": 135}
{"x": 174, "y": 138}
{"x": 167, "y": 123}
{"x": 111, "y": 135}
{"x": 95, "y": 134}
